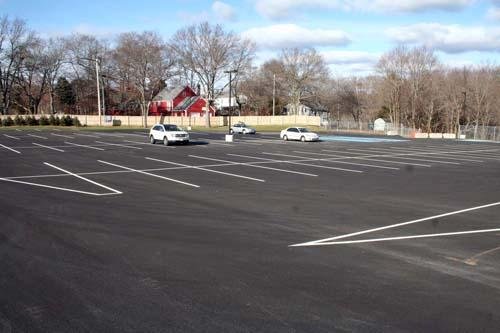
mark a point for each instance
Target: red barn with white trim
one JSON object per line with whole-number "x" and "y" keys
{"x": 179, "y": 101}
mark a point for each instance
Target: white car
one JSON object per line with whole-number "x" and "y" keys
{"x": 168, "y": 134}
{"x": 298, "y": 133}
{"x": 241, "y": 128}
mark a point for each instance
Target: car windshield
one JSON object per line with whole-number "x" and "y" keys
{"x": 171, "y": 128}
{"x": 303, "y": 130}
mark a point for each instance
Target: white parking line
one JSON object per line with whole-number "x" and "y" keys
{"x": 38, "y": 136}
{"x": 85, "y": 146}
{"x": 463, "y": 154}
{"x": 387, "y": 151}
{"x": 15, "y": 151}
{"x": 17, "y": 129}
{"x": 255, "y": 166}
{"x": 83, "y": 178}
{"x": 311, "y": 243}
{"x": 12, "y": 137}
{"x": 148, "y": 144}
{"x": 297, "y": 163}
{"x": 205, "y": 169}
{"x": 373, "y": 240}
{"x": 87, "y": 135}
{"x": 424, "y": 154}
{"x": 149, "y": 174}
{"x": 38, "y": 130}
{"x": 63, "y": 136}
{"x": 458, "y": 155}
{"x": 335, "y": 157}
{"x": 66, "y": 189}
{"x": 214, "y": 142}
{"x": 417, "y": 151}
{"x": 329, "y": 160}
{"x": 56, "y": 149}
{"x": 117, "y": 144}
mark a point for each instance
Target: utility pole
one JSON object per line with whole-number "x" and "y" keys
{"x": 98, "y": 90}
{"x": 274, "y": 93}
{"x": 230, "y": 80}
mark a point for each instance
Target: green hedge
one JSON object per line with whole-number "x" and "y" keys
{"x": 42, "y": 121}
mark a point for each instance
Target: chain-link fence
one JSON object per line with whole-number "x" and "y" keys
{"x": 473, "y": 132}
{"x": 366, "y": 127}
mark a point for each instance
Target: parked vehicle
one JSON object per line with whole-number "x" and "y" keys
{"x": 241, "y": 128}
{"x": 298, "y": 133}
{"x": 168, "y": 134}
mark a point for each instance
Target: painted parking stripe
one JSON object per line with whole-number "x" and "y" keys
{"x": 148, "y": 174}
{"x": 461, "y": 211}
{"x": 147, "y": 144}
{"x": 117, "y": 144}
{"x": 297, "y": 163}
{"x": 84, "y": 146}
{"x": 205, "y": 169}
{"x": 63, "y": 136}
{"x": 360, "y": 157}
{"x": 388, "y": 151}
{"x": 38, "y": 130}
{"x": 214, "y": 142}
{"x": 462, "y": 150}
{"x": 83, "y": 178}
{"x": 441, "y": 155}
{"x": 52, "y": 148}
{"x": 38, "y": 136}
{"x": 329, "y": 160}
{"x": 373, "y": 240}
{"x": 254, "y": 165}
{"x": 388, "y": 155}
{"x": 87, "y": 135}
{"x": 113, "y": 191}
{"x": 12, "y": 137}
{"x": 8, "y": 148}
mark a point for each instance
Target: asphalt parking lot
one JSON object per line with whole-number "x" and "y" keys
{"x": 102, "y": 231}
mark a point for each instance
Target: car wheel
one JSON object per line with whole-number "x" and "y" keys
{"x": 285, "y": 138}
{"x": 152, "y": 140}
{"x": 303, "y": 139}
{"x": 165, "y": 141}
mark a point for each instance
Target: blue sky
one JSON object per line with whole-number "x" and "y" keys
{"x": 351, "y": 34}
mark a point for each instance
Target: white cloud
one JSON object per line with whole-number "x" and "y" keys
{"x": 448, "y": 38}
{"x": 283, "y": 8}
{"x": 290, "y": 35}
{"x": 223, "y": 11}
{"x": 350, "y": 58}
{"x": 494, "y": 13}
{"x": 276, "y": 9}
{"x": 411, "y": 6}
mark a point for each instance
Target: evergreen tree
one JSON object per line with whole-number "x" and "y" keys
{"x": 65, "y": 93}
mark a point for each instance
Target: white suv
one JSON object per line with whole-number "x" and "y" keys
{"x": 168, "y": 134}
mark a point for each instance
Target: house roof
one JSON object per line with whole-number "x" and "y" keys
{"x": 186, "y": 102}
{"x": 168, "y": 94}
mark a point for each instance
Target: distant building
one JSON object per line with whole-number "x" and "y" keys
{"x": 308, "y": 110}
{"x": 179, "y": 101}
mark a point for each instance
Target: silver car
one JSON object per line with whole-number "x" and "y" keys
{"x": 241, "y": 128}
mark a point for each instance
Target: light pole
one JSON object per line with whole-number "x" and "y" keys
{"x": 230, "y": 80}
{"x": 274, "y": 93}
{"x": 98, "y": 88}
{"x": 464, "y": 92}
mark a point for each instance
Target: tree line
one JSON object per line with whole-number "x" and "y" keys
{"x": 410, "y": 87}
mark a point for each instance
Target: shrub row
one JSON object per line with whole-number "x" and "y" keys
{"x": 42, "y": 121}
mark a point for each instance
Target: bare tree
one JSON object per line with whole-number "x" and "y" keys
{"x": 143, "y": 60}
{"x": 14, "y": 40}
{"x": 303, "y": 73}
{"x": 207, "y": 51}
{"x": 40, "y": 67}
